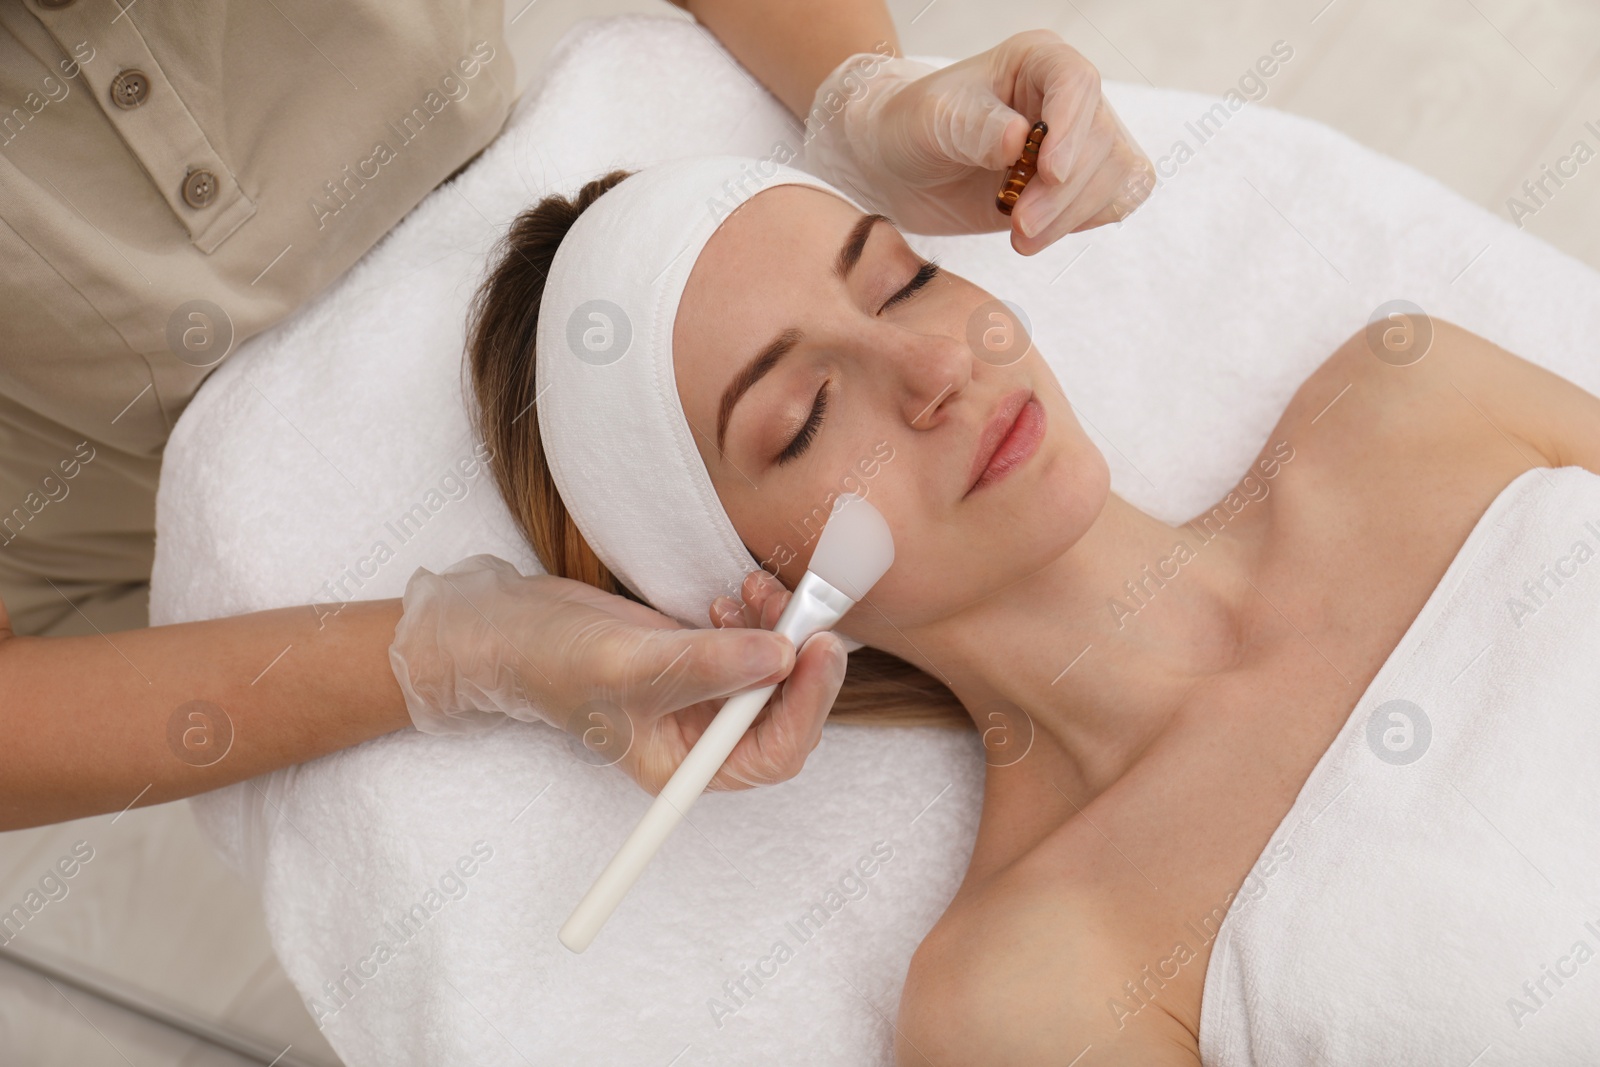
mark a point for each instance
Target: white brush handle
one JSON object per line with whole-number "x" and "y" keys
{"x": 682, "y": 789}
{"x": 815, "y": 606}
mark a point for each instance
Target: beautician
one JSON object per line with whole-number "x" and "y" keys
{"x": 175, "y": 180}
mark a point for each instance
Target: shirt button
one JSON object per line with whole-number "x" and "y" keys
{"x": 199, "y": 188}
{"x": 129, "y": 89}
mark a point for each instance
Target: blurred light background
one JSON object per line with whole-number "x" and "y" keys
{"x": 1480, "y": 94}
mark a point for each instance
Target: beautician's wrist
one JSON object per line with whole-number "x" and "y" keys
{"x": 841, "y": 125}
{"x": 856, "y": 76}
{"x": 456, "y": 667}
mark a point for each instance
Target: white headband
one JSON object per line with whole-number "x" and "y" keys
{"x": 610, "y": 419}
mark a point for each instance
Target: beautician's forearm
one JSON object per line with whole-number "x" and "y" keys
{"x": 791, "y": 45}
{"x": 86, "y": 719}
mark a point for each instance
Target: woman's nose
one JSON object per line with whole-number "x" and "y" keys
{"x": 931, "y": 369}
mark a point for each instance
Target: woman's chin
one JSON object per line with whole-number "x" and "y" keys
{"x": 1027, "y": 521}
{"x": 1067, "y": 476}
{"x": 1055, "y": 504}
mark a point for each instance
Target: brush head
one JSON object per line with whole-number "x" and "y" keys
{"x": 855, "y": 549}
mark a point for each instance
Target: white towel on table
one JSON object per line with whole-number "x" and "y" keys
{"x": 1179, "y": 336}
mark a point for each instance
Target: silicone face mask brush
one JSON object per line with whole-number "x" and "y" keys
{"x": 854, "y": 551}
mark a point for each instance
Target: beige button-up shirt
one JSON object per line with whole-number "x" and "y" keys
{"x": 173, "y": 179}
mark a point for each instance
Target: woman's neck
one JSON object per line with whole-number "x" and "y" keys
{"x": 1101, "y": 647}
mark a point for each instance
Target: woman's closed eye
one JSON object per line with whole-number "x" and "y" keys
{"x": 802, "y": 440}
{"x": 926, "y": 272}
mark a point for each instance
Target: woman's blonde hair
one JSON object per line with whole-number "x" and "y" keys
{"x": 879, "y": 688}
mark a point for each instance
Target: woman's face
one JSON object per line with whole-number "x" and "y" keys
{"x": 911, "y": 368}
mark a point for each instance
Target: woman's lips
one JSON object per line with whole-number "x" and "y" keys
{"x": 1021, "y": 441}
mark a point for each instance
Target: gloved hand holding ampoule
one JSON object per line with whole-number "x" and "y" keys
{"x": 930, "y": 146}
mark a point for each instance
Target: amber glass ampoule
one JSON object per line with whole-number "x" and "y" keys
{"x": 1022, "y": 170}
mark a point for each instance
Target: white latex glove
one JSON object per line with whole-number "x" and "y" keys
{"x": 929, "y": 147}
{"x": 481, "y": 642}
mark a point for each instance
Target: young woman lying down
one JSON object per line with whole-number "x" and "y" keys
{"x": 1167, "y": 739}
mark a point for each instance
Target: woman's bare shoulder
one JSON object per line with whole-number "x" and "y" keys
{"x": 1022, "y": 974}
{"x": 1420, "y": 389}
{"x": 1558, "y": 417}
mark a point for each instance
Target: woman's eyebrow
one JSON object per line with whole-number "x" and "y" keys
{"x": 849, "y": 255}
{"x": 752, "y": 373}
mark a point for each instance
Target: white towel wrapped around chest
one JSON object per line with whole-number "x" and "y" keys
{"x": 1435, "y": 898}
